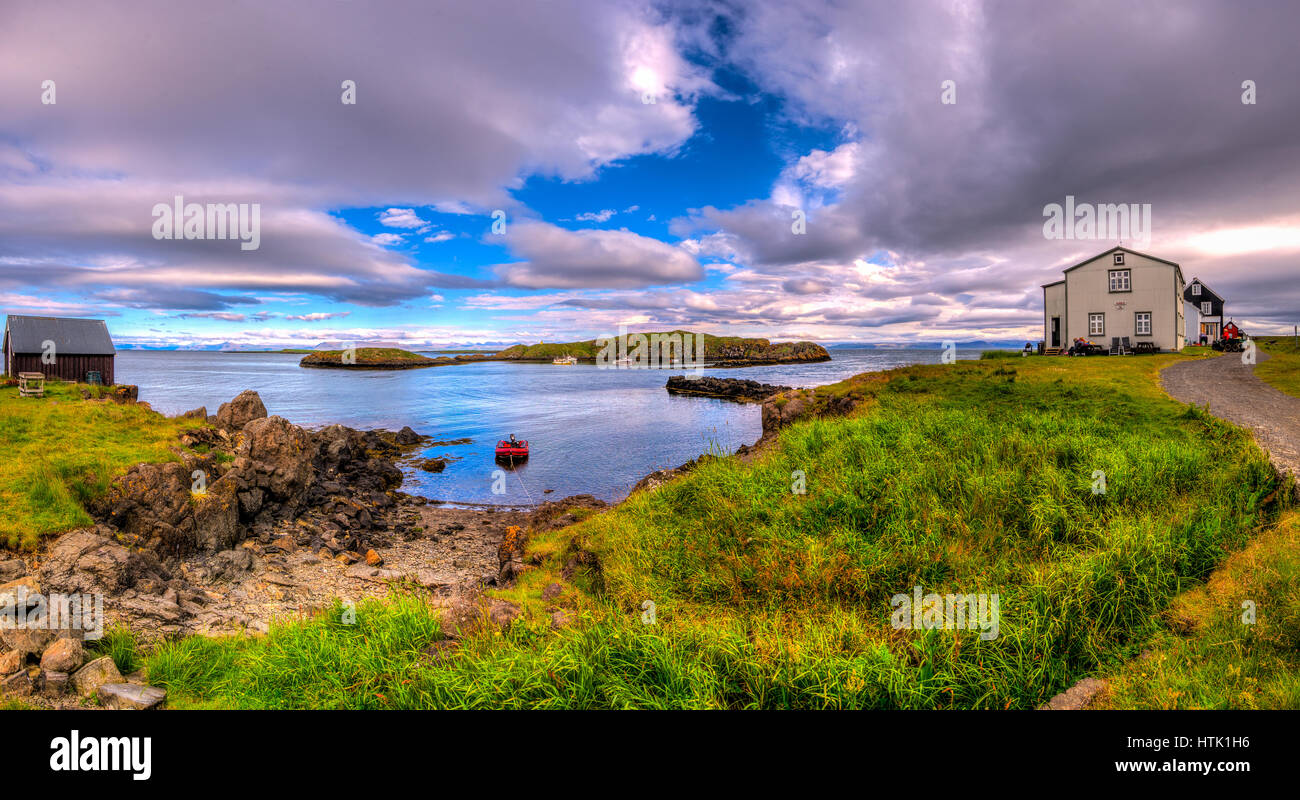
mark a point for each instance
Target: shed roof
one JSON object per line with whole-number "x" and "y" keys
{"x": 79, "y": 337}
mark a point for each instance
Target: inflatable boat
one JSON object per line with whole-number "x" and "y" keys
{"x": 514, "y": 452}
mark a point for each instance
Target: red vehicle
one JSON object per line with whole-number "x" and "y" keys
{"x": 512, "y": 450}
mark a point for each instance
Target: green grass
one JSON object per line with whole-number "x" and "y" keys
{"x": 1282, "y": 370}
{"x": 1211, "y": 658}
{"x": 60, "y": 451}
{"x": 974, "y": 478}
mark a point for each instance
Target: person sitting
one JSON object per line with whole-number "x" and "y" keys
{"x": 513, "y": 441}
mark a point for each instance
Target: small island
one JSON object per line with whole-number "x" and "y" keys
{"x": 719, "y": 351}
{"x": 378, "y": 358}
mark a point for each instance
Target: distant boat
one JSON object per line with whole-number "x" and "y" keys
{"x": 565, "y": 361}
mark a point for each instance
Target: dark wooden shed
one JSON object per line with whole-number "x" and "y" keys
{"x": 58, "y": 347}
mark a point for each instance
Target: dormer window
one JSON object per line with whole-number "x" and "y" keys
{"x": 1120, "y": 280}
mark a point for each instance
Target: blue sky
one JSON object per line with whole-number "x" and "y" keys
{"x": 924, "y": 218}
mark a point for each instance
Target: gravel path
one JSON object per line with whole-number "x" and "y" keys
{"x": 1233, "y": 393}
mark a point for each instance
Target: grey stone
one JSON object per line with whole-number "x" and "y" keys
{"x": 131, "y": 696}
{"x": 89, "y": 678}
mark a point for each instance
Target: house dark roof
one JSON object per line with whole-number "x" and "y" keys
{"x": 1187, "y": 293}
{"x": 74, "y": 337}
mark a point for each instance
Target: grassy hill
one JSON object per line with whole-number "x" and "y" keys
{"x": 60, "y": 451}
{"x": 716, "y": 348}
{"x": 975, "y": 477}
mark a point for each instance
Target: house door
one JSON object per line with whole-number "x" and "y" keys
{"x": 1056, "y": 331}
{"x": 1210, "y": 330}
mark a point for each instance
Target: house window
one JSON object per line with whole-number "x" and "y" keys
{"x": 1196, "y": 290}
{"x": 1119, "y": 258}
{"x": 1207, "y": 308}
{"x": 1119, "y": 280}
{"x": 1096, "y": 324}
{"x": 1143, "y": 323}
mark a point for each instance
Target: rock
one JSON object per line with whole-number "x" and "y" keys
{"x": 1076, "y": 697}
{"x": 89, "y": 678}
{"x": 28, "y": 641}
{"x": 280, "y": 454}
{"x": 503, "y": 612}
{"x": 552, "y": 591}
{"x": 124, "y": 393}
{"x": 53, "y": 684}
{"x": 433, "y": 464}
{"x": 406, "y": 436}
{"x": 152, "y": 503}
{"x": 12, "y": 569}
{"x": 196, "y": 413}
{"x": 462, "y": 616}
{"x": 131, "y": 696}
{"x": 24, "y": 592}
{"x": 156, "y": 608}
{"x": 374, "y": 559}
{"x": 65, "y": 655}
{"x": 250, "y": 501}
{"x": 12, "y": 661}
{"x": 725, "y": 388}
{"x": 560, "y": 619}
{"x": 19, "y": 684}
{"x": 231, "y": 563}
{"x": 246, "y": 407}
{"x": 347, "y": 557}
{"x": 85, "y": 561}
{"x": 216, "y": 516}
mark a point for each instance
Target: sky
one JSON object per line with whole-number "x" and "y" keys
{"x": 514, "y": 172}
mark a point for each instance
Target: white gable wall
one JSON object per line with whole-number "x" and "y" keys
{"x": 1154, "y": 287}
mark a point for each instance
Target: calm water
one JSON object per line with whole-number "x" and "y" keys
{"x": 590, "y": 430}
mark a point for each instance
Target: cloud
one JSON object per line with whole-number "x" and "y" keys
{"x": 317, "y": 316}
{"x": 402, "y": 218}
{"x": 440, "y": 236}
{"x": 555, "y": 257}
{"x": 387, "y": 239}
{"x": 596, "y": 216}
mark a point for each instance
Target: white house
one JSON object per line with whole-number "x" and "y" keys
{"x": 1118, "y": 294}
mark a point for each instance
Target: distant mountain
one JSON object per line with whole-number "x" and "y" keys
{"x": 1015, "y": 344}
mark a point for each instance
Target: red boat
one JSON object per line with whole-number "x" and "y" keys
{"x": 512, "y": 451}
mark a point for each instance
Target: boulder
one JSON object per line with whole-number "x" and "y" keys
{"x": 216, "y": 516}
{"x": 28, "y": 642}
{"x": 12, "y": 569}
{"x": 246, "y": 407}
{"x": 25, "y": 591}
{"x": 19, "y": 684}
{"x": 196, "y": 413}
{"x": 152, "y": 502}
{"x": 374, "y": 559}
{"x": 65, "y": 655}
{"x": 11, "y": 662}
{"x": 89, "y": 678}
{"x": 281, "y": 457}
{"x": 406, "y": 436}
{"x": 53, "y": 684}
{"x": 86, "y": 561}
{"x": 131, "y": 696}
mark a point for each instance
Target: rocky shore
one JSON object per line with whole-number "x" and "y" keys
{"x": 259, "y": 519}
{"x": 741, "y": 391}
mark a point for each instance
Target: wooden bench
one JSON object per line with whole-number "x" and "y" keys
{"x": 31, "y": 384}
